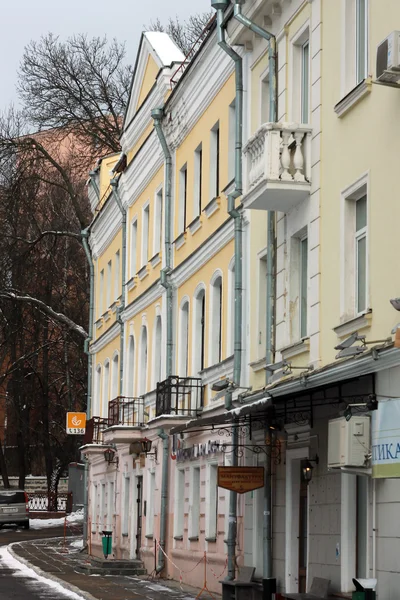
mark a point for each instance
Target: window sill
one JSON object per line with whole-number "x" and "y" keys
{"x": 99, "y": 323}
{"x": 125, "y": 535}
{"x": 180, "y": 240}
{"x": 352, "y": 325}
{"x": 353, "y": 97}
{"x": 193, "y": 538}
{"x": 295, "y": 349}
{"x": 178, "y": 538}
{"x": 142, "y": 273}
{"x": 258, "y": 365}
{"x": 149, "y": 536}
{"x": 212, "y": 207}
{"x": 131, "y": 283}
{"x": 211, "y": 539}
{"x": 106, "y": 316}
{"x": 195, "y": 225}
{"x": 155, "y": 260}
{"x": 115, "y": 304}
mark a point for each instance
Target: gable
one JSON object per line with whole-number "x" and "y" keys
{"x": 149, "y": 77}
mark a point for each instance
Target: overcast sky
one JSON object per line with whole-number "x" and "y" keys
{"x": 25, "y": 20}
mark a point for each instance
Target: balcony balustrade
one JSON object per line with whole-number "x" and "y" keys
{"x": 95, "y": 428}
{"x": 278, "y": 167}
{"x": 124, "y": 410}
{"x": 180, "y": 396}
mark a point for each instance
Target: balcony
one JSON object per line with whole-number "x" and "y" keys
{"x": 277, "y": 167}
{"x": 95, "y": 428}
{"x": 127, "y": 411}
{"x": 180, "y": 396}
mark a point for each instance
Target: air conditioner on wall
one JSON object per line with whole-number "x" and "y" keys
{"x": 348, "y": 442}
{"x": 388, "y": 59}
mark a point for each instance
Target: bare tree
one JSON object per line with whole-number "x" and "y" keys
{"x": 184, "y": 33}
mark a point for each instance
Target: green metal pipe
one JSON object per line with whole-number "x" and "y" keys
{"x": 114, "y": 186}
{"x": 157, "y": 115}
{"x": 164, "y": 500}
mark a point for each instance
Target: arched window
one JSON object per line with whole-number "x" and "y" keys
{"x": 143, "y": 361}
{"x": 183, "y": 348}
{"x": 114, "y": 376}
{"x": 199, "y": 332}
{"x": 216, "y": 321}
{"x": 96, "y": 393}
{"x": 106, "y": 389}
{"x": 157, "y": 351}
{"x": 231, "y": 309}
{"x": 131, "y": 367}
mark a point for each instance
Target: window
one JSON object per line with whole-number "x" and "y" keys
{"x": 198, "y": 180}
{"x": 305, "y": 82}
{"x": 262, "y": 303}
{"x": 109, "y": 284}
{"x": 143, "y": 361}
{"x": 231, "y": 308}
{"x": 125, "y": 519}
{"x": 216, "y": 322}
{"x": 97, "y": 393}
{"x": 101, "y": 293}
{"x": 105, "y": 395}
{"x": 94, "y": 507}
{"x": 110, "y": 505}
{"x": 133, "y": 247}
{"x": 145, "y": 234}
{"x": 264, "y": 98}
{"x": 182, "y": 199}
{"x": 158, "y": 217}
{"x": 355, "y": 44}
{"x": 157, "y": 351}
{"x": 361, "y": 254}
{"x": 114, "y": 377}
{"x": 179, "y": 503}
{"x": 354, "y": 252}
{"x": 117, "y": 291}
{"x": 102, "y": 506}
{"x": 303, "y": 286}
{"x": 199, "y": 333}
{"x": 232, "y": 140}
{"x": 212, "y": 502}
{"x": 361, "y": 40}
{"x": 214, "y": 161}
{"x": 150, "y": 505}
{"x": 194, "y": 504}
{"x": 131, "y": 367}
{"x": 183, "y": 340}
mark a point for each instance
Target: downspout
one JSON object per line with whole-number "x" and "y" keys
{"x": 269, "y": 583}
{"x": 157, "y": 115}
{"x": 114, "y": 186}
{"x": 220, "y": 6}
{"x": 86, "y": 247}
{"x": 164, "y": 500}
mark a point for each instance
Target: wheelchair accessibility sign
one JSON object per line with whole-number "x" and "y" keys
{"x": 76, "y": 423}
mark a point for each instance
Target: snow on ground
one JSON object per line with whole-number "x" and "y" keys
{"x": 77, "y": 544}
{"x": 73, "y": 518}
{"x": 24, "y": 571}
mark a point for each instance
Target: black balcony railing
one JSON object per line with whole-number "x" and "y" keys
{"x": 94, "y": 430}
{"x": 126, "y": 411}
{"x": 179, "y": 396}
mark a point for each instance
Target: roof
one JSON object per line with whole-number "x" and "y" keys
{"x": 165, "y": 49}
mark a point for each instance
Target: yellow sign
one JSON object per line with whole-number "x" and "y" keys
{"x": 241, "y": 479}
{"x": 76, "y": 423}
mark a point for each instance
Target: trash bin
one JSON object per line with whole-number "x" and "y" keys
{"x": 106, "y": 541}
{"x": 364, "y": 589}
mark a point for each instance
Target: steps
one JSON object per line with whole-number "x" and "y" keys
{"x": 99, "y": 566}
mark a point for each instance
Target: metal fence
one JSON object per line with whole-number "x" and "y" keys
{"x": 50, "y": 502}
{"x": 179, "y": 396}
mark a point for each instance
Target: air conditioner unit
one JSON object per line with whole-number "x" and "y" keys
{"x": 388, "y": 59}
{"x": 348, "y": 442}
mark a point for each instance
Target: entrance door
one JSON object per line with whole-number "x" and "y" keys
{"x": 303, "y": 529}
{"x": 139, "y": 497}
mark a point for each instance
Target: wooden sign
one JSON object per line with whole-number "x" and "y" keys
{"x": 241, "y": 479}
{"x": 76, "y": 423}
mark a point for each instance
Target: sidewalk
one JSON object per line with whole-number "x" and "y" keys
{"x": 49, "y": 558}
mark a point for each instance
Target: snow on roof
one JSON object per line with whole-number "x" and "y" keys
{"x": 166, "y": 50}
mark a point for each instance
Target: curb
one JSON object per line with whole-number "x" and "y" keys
{"x": 45, "y": 575}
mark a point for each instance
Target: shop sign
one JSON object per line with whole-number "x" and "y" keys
{"x": 386, "y": 439}
{"x": 241, "y": 479}
{"x": 198, "y": 450}
{"x": 76, "y": 423}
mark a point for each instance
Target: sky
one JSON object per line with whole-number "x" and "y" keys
{"x": 25, "y": 20}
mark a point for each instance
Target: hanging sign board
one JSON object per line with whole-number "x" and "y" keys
{"x": 76, "y": 423}
{"x": 241, "y": 479}
{"x": 386, "y": 439}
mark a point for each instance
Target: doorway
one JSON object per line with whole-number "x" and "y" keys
{"x": 139, "y": 503}
{"x": 303, "y": 532}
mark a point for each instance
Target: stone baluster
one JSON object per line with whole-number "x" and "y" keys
{"x": 285, "y": 156}
{"x": 298, "y": 159}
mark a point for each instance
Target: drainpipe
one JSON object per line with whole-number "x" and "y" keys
{"x": 114, "y": 186}
{"x": 164, "y": 500}
{"x": 157, "y": 115}
{"x": 220, "y": 6}
{"x": 86, "y": 247}
{"x": 269, "y": 583}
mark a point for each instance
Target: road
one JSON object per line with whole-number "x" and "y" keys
{"x": 16, "y": 584}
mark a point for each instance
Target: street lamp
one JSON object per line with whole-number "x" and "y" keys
{"x": 109, "y": 454}
{"x": 307, "y": 468}
{"x": 143, "y": 446}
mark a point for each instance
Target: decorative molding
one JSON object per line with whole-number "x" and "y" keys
{"x": 115, "y": 304}
{"x": 99, "y": 323}
{"x": 106, "y": 316}
{"x": 146, "y": 299}
{"x": 105, "y": 227}
{"x": 105, "y": 339}
{"x": 352, "y": 325}
{"x": 195, "y": 225}
{"x": 295, "y": 349}
{"x": 155, "y": 260}
{"x": 352, "y": 98}
{"x": 131, "y": 283}
{"x": 258, "y": 365}
{"x": 180, "y": 240}
{"x": 212, "y": 206}
{"x": 142, "y": 273}
{"x": 210, "y": 375}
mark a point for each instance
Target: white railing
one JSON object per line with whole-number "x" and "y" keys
{"x": 278, "y": 152}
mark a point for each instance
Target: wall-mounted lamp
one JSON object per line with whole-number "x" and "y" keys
{"x": 109, "y": 454}
{"x": 307, "y": 468}
{"x": 143, "y": 446}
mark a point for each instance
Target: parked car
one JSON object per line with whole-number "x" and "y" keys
{"x": 14, "y": 507}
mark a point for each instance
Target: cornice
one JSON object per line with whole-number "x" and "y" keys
{"x": 105, "y": 339}
{"x": 140, "y": 304}
{"x": 105, "y": 228}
